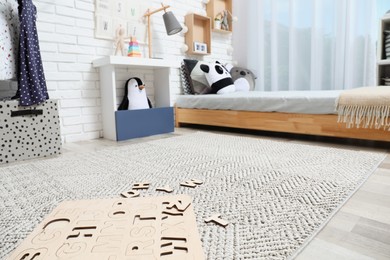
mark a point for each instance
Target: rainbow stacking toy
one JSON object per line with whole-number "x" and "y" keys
{"x": 133, "y": 50}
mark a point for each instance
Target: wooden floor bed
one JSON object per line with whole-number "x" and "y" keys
{"x": 310, "y": 124}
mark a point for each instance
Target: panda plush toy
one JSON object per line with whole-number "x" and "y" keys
{"x": 218, "y": 78}
{"x": 135, "y": 96}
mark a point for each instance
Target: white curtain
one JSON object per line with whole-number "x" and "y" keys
{"x": 312, "y": 44}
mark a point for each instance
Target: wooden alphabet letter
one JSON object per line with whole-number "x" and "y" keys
{"x": 141, "y": 186}
{"x": 130, "y": 194}
{"x": 165, "y": 189}
{"x": 191, "y": 183}
{"x": 216, "y": 218}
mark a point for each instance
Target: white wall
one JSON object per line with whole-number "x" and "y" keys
{"x": 68, "y": 46}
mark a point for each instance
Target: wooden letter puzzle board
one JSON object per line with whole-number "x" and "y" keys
{"x": 115, "y": 229}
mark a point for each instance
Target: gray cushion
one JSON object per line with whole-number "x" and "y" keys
{"x": 198, "y": 81}
{"x": 185, "y": 80}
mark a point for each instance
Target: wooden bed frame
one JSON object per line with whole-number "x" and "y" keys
{"x": 310, "y": 124}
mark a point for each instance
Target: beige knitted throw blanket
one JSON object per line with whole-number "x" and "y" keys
{"x": 365, "y": 107}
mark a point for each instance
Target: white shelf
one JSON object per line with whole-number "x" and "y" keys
{"x": 384, "y": 62}
{"x": 386, "y": 17}
{"x": 138, "y": 62}
{"x": 107, "y": 68}
{"x": 222, "y": 31}
{"x": 383, "y": 65}
{"x": 200, "y": 53}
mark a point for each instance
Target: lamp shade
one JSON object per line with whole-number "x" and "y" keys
{"x": 171, "y": 24}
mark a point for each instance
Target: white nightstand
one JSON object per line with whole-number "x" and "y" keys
{"x": 121, "y": 125}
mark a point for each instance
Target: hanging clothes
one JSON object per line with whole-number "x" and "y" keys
{"x": 31, "y": 79}
{"x": 9, "y": 39}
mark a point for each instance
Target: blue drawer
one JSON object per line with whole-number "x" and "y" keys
{"x": 143, "y": 122}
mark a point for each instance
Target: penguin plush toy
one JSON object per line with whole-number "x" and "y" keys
{"x": 135, "y": 96}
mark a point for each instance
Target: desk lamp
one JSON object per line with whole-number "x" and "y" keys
{"x": 172, "y": 26}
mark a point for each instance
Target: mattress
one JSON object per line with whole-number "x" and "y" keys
{"x": 302, "y": 102}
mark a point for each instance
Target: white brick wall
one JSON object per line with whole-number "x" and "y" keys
{"x": 68, "y": 46}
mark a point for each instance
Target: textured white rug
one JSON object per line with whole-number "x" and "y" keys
{"x": 276, "y": 195}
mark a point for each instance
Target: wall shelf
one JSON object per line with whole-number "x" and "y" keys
{"x": 383, "y": 64}
{"x": 135, "y": 62}
{"x": 222, "y": 31}
{"x": 199, "y": 30}
{"x": 214, "y": 7}
{"x": 115, "y": 121}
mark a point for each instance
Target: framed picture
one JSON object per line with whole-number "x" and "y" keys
{"x": 104, "y": 27}
{"x": 134, "y": 11}
{"x": 200, "y": 47}
{"x": 110, "y": 14}
{"x": 119, "y": 9}
{"x": 103, "y": 7}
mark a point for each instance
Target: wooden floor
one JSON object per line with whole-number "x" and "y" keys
{"x": 360, "y": 230}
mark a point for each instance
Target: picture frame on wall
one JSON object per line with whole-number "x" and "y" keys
{"x": 104, "y": 27}
{"x": 134, "y": 11}
{"x": 110, "y": 14}
{"x": 200, "y": 47}
{"x": 103, "y": 7}
{"x": 120, "y": 9}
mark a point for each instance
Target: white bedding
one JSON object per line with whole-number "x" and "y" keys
{"x": 302, "y": 102}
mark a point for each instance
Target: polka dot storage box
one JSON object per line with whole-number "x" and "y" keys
{"x": 28, "y": 132}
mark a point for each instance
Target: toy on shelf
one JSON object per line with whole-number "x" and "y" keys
{"x": 222, "y": 19}
{"x": 224, "y": 22}
{"x": 133, "y": 50}
{"x": 120, "y": 40}
{"x": 217, "y": 22}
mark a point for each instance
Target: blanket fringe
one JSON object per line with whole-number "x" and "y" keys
{"x": 364, "y": 116}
